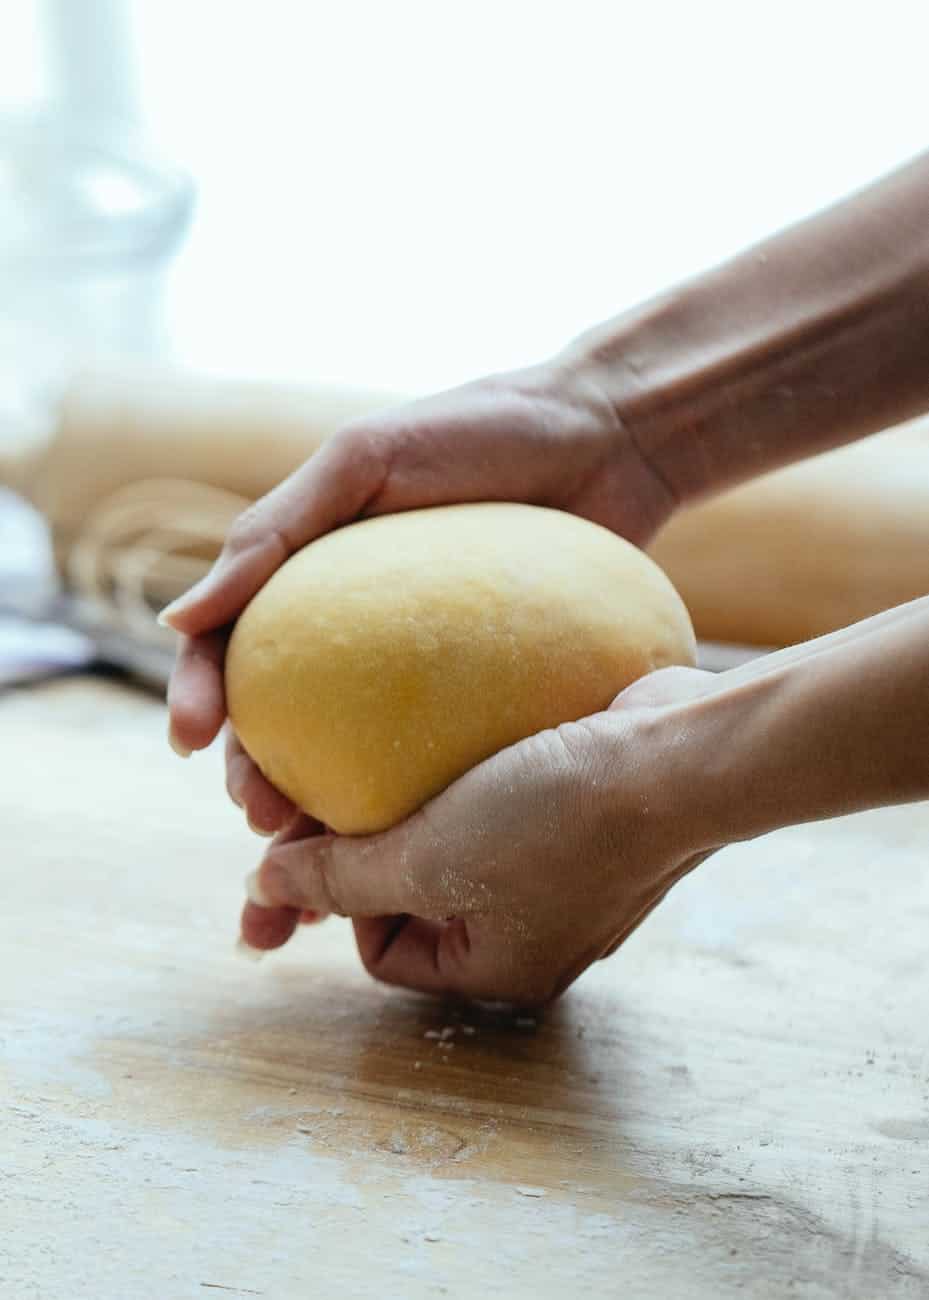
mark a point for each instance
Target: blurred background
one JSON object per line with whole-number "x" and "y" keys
{"x": 307, "y": 207}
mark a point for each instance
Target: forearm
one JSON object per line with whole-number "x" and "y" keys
{"x": 816, "y": 337}
{"x": 834, "y": 727}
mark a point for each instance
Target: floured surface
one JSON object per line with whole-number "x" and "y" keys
{"x": 737, "y": 1104}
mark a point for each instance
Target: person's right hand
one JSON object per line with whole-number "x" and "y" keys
{"x": 528, "y": 868}
{"x": 547, "y": 436}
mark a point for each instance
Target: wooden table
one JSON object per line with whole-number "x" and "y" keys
{"x": 737, "y": 1104}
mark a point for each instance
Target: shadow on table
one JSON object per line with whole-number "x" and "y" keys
{"x": 357, "y": 1067}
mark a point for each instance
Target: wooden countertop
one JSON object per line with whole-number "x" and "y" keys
{"x": 737, "y": 1104}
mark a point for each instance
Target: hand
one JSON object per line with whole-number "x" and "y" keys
{"x": 526, "y": 870}
{"x": 545, "y": 435}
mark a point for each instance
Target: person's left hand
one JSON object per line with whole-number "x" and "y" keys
{"x": 526, "y": 870}
{"x": 544, "y": 435}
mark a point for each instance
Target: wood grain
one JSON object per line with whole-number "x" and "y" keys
{"x": 736, "y": 1104}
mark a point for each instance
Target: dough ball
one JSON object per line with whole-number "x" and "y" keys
{"x": 386, "y": 658}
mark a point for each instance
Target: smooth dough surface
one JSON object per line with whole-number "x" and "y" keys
{"x": 386, "y": 658}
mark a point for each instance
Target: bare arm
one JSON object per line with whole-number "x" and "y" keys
{"x": 816, "y": 337}
{"x": 834, "y": 726}
{"x": 819, "y": 336}
{"x": 573, "y": 836}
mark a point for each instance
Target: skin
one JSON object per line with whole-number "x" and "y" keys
{"x": 622, "y": 804}
{"x": 548, "y": 855}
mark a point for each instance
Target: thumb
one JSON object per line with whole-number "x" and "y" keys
{"x": 330, "y": 489}
{"x": 374, "y": 875}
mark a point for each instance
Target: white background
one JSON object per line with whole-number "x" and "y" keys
{"x": 405, "y": 194}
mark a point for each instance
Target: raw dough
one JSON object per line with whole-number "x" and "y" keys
{"x": 386, "y": 658}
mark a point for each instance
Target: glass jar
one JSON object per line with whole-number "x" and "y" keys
{"x": 88, "y": 222}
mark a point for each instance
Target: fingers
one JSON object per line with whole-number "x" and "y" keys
{"x": 428, "y": 956}
{"x": 397, "y": 888}
{"x": 332, "y": 488}
{"x": 461, "y": 957}
{"x": 264, "y": 924}
{"x": 196, "y": 694}
{"x": 363, "y": 876}
{"x": 267, "y": 927}
{"x": 267, "y": 810}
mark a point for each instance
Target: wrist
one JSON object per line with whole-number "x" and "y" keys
{"x": 818, "y": 730}
{"x": 734, "y": 756}
{"x": 808, "y": 340}
{"x": 832, "y": 727}
{"x": 652, "y": 769}
{"x": 646, "y": 363}
{"x": 703, "y": 745}
{"x": 742, "y": 752}
{"x": 632, "y": 484}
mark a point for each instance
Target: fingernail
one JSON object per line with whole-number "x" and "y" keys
{"x": 183, "y": 602}
{"x": 169, "y": 611}
{"x": 255, "y": 892}
{"x": 180, "y": 605}
{"x": 257, "y": 830}
{"x": 181, "y": 750}
{"x": 247, "y": 951}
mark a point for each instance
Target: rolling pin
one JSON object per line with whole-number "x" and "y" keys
{"x": 146, "y": 469}
{"x": 117, "y": 427}
{"x": 143, "y": 470}
{"x": 807, "y": 549}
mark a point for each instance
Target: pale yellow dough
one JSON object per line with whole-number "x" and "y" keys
{"x": 385, "y": 659}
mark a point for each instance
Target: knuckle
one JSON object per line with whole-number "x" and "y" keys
{"x": 578, "y": 742}
{"x": 359, "y": 449}
{"x": 329, "y": 878}
{"x": 356, "y": 440}
{"x": 364, "y": 454}
{"x": 567, "y": 773}
{"x": 373, "y": 963}
{"x": 562, "y": 751}
{"x": 370, "y": 959}
{"x": 245, "y": 529}
{"x": 373, "y": 953}
{"x": 452, "y": 955}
